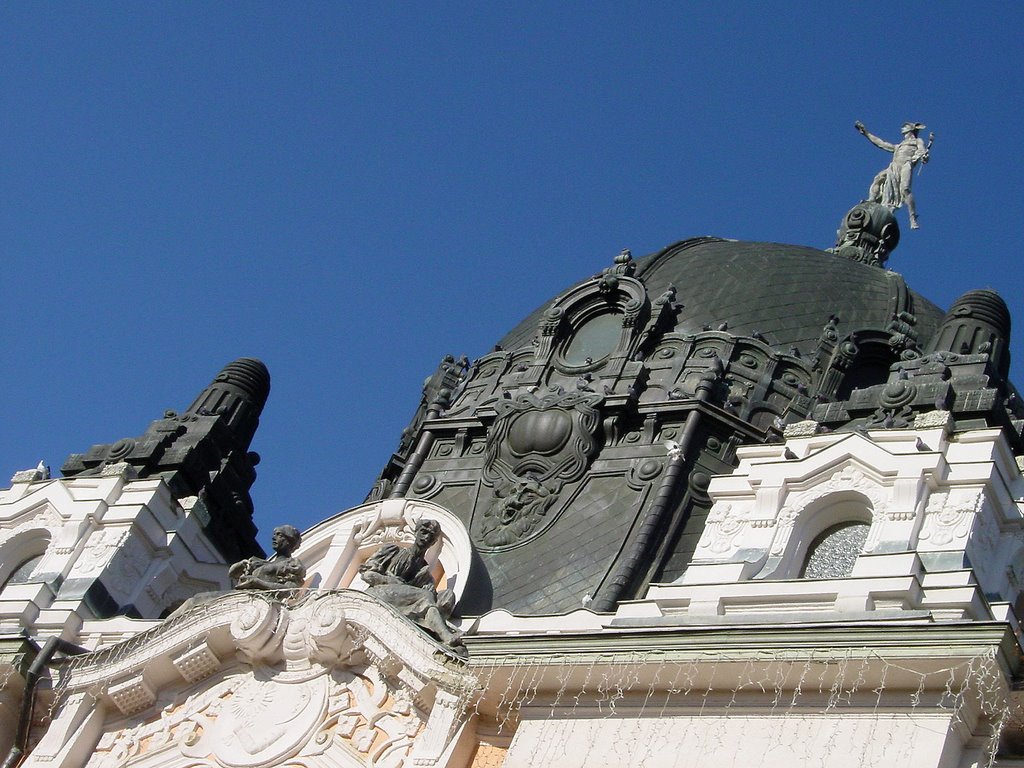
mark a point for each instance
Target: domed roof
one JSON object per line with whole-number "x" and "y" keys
{"x": 784, "y": 292}
{"x": 578, "y": 455}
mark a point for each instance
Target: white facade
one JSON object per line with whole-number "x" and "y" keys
{"x": 906, "y": 659}
{"x": 86, "y": 548}
{"x": 142, "y": 547}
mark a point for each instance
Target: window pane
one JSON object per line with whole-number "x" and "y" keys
{"x": 595, "y": 340}
{"x": 23, "y": 571}
{"x": 833, "y": 554}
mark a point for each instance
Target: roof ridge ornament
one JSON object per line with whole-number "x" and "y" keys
{"x": 868, "y": 234}
{"x": 623, "y": 266}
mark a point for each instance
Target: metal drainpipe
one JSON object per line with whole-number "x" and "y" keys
{"x": 650, "y": 529}
{"x": 35, "y": 671}
{"x": 423, "y": 445}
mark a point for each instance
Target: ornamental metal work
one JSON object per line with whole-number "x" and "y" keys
{"x": 536, "y": 446}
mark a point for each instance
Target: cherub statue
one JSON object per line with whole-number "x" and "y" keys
{"x": 283, "y": 572}
{"x": 891, "y": 187}
{"x": 401, "y": 577}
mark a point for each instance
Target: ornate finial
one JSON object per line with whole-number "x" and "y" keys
{"x": 977, "y": 323}
{"x": 868, "y": 234}
{"x": 622, "y": 266}
{"x": 891, "y": 187}
{"x": 238, "y": 393}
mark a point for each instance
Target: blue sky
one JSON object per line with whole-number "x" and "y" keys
{"x": 350, "y": 191}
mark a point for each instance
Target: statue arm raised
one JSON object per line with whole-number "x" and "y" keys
{"x": 880, "y": 143}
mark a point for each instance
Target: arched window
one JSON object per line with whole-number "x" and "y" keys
{"x": 21, "y": 574}
{"x": 869, "y": 367}
{"x": 834, "y": 552}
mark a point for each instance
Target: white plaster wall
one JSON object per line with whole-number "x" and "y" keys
{"x": 951, "y": 499}
{"x": 748, "y": 741}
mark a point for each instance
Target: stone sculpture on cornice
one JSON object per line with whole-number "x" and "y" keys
{"x": 401, "y": 577}
{"x": 283, "y": 572}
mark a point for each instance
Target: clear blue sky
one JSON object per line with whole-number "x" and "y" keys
{"x": 350, "y": 191}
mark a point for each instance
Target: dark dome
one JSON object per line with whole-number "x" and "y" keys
{"x": 785, "y": 292}
{"x": 578, "y": 454}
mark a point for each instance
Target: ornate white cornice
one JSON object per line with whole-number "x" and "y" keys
{"x": 246, "y": 681}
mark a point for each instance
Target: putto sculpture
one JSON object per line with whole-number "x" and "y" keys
{"x": 400, "y": 576}
{"x": 283, "y": 572}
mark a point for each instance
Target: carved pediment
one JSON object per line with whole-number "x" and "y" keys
{"x": 245, "y": 681}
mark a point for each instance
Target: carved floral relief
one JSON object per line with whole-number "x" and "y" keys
{"x": 948, "y": 518}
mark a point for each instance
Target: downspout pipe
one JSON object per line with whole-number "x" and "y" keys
{"x": 423, "y": 446}
{"x": 35, "y": 672}
{"x": 650, "y": 530}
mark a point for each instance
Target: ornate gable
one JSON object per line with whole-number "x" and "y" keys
{"x": 244, "y": 681}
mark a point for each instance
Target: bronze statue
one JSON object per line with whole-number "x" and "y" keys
{"x": 401, "y": 577}
{"x": 283, "y": 572}
{"x": 281, "y": 575}
{"x": 891, "y": 187}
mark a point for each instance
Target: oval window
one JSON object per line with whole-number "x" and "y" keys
{"x": 594, "y": 340}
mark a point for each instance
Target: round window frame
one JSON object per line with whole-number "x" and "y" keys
{"x": 577, "y": 323}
